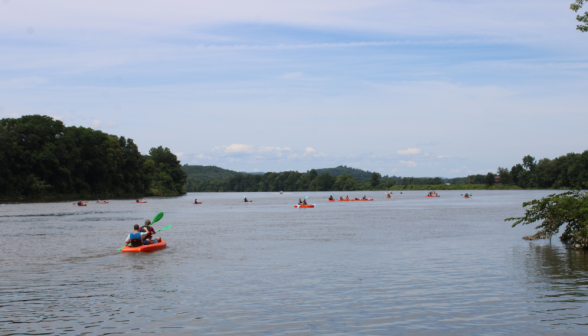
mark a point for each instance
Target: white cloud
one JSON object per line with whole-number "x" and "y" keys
{"x": 409, "y": 163}
{"x": 200, "y": 156}
{"x": 409, "y": 151}
{"x": 96, "y": 123}
{"x": 234, "y": 148}
{"x": 179, "y": 154}
{"x": 442, "y": 156}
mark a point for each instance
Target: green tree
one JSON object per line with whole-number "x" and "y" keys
{"x": 581, "y": 18}
{"x": 504, "y": 174}
{"x": 569, "y": 209}
{"x": 375, "y": 179}
{"x": 490, "y": 180}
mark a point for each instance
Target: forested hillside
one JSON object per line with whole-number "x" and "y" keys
{"x": 208, "y": 173}
{"x": 358, "y": 174}
{"x": 41, "y": 157}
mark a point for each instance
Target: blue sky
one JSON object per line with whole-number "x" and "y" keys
{"x": 434, "y": 88}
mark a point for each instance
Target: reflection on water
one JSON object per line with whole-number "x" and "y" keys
{"x": 407, "y": 265}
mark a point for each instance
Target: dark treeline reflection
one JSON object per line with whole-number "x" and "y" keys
{"x": 565, "y": 269}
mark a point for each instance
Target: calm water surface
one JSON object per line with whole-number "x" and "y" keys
{"x": 409, "y": 266}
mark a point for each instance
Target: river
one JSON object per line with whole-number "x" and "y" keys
{"x": 406, "y": 266}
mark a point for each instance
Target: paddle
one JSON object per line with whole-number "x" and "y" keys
{"x": 155, "y": 220}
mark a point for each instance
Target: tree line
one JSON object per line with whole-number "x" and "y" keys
{"x": 289, "y": 181}
{"x": 41, "y": 157}
{"x": 566, "y": 171}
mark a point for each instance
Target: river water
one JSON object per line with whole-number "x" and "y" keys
{"x": 406, "y": 266}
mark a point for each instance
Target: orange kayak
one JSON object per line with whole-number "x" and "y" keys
{"x": 146, "y": 248}
{"x": 304, "y": 206}
{"x": 331, "y": 200}
{"x": 389, "y": 197}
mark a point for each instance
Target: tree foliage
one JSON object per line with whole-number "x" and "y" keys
{"x": 567, "y": 171}
{"x": 583, "y": 19}
{"x": 40, "y": 156}
{"x": 569, "y": 209}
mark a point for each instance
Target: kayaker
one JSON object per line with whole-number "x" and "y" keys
{"x": 195, "y": 201}
{"x": 80, "y": 203}
{"x": 341, "y": 198}
{"x": 364, "y": 198}
{"x": 137, "y": 200}
{"x": 331, "y": 198}
{"x": 137, "y": 237}
{"x": 245, "y": 200}
{"x": 304, "y": 202}
{"x": 347, "y": 197}
{"x": 299, "y": 201}
{"x": 150, "y": 232}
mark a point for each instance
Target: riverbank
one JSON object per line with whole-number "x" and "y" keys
{"x": 86, "y": 197}
{"x": 455, "y": 187}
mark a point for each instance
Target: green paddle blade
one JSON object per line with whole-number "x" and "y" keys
{"x": 165, "y": 228}
{"x": 157, "y": 218}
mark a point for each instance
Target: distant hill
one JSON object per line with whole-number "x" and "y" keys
{"x": 208, "y": 173}
{"x": 360, "y": 175}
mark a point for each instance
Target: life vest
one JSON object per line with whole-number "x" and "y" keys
{"x": 136, "y": 240}
{"x": 148, "y": 229}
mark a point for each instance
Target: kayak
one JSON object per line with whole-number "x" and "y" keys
{"x": 389, "y": 197}
{"x": 304, "y": 206}
{"x": 247, "y": 201}
{"x": 146, "y": 248}
{"x": 331, "y": 200}
{"x": 466, "y": 197}
{"x": 432, "y": 196}
{"x": 142, "y": 202}
{"x": 82, "y": 204}
{"x": 365, "y": 200}
{"x": 198, "y": 203}
{"x": 101, "y": 202}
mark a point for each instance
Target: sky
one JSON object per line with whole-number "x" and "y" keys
{"x": 429, "y": 88}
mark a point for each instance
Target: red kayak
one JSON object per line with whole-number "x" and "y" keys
{"x": 141, "y": 202}
{"x": 304, "y": 206}
{"x": 198, "y": 203}
{"x": 82, "y": 204}
{"x": 146, "y": 248}
{"x": 331, "y": 200}
{"x": 247, "y": 201}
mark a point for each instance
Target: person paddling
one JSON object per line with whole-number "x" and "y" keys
{"x": 304, "y": 202}
{"x": 136, "y": 238}
{"x": 196, "y": 201}
{"x": 150, "y": 232}
{"x": 299, "y": 201}
{"x": 341, "y": 198}
{"x": 245, "y": 200}
{"x": 331, "y": 198}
